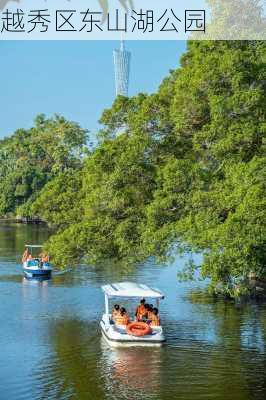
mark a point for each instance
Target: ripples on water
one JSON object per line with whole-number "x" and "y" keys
{"x": 51, "y": 347}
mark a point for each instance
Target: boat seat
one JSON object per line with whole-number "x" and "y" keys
{"x": 33, "y": 263}
{"x": 121, "y": 330}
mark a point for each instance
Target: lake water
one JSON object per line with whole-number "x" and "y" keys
{"x": 51, "y": 345}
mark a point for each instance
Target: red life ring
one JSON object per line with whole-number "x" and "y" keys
{"x": 138, "y": 329}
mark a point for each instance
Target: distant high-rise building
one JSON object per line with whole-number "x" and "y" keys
{"x": 122, "y": 68}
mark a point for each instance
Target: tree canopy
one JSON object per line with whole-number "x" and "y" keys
{"x": 182, "y": 169}
{"x": 31, "y": 158}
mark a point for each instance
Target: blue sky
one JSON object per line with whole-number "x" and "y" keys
{"x": 74, "y": 78}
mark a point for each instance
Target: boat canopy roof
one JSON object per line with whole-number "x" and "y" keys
{"x": 131, "y": 289}
{"x": 34, "y": 245}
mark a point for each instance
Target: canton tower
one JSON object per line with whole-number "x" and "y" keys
{"x": 122, "y": 68}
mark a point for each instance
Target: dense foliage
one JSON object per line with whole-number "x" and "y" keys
{"x": 179, "y": 170}
{"x": 31, "y": 158}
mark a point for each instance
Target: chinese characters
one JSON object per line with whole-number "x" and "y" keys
{"x": 89, "y": 21}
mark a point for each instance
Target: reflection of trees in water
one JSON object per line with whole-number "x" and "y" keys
{"x": 71, "y": 371}
{"x": 241, "y": 324}
{"x": 80, "y": 366}
{"x": 111, "y": 271}
{"x": 131, "y": 371}
{"x": 203, "y": 371}
{"x": 13, "y": 237}
{"x": 239, "y": 354}
{"x": 10, "y": 278}
{"x": 184, "y": 373}
{"x": 242, "y": 337}
{"x": 99, "y": 275}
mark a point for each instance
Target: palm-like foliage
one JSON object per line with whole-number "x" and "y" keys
{"x": 103, "y": 3}
{"x": 3, "y": 3}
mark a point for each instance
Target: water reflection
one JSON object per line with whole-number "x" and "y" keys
{"x": 14, "y": 236}
{"x": 81, "y": 366}
{"x": 242, "y": 321}
{"x": 130, "y": 370}
{"x": 10, "y": 278}
{"x": 70, "y": 372}
{"x": 36, "y": 282}
{"x": 51, "y": 345}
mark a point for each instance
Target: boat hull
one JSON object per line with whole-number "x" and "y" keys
{"x": 117, "y": 336}
{"x": 34, "y": 271}
{"x": 37, "y": 273}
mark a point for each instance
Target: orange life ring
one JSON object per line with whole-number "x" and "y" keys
{"x": 138, "y": 329}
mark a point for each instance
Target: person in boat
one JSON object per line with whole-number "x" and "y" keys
{"x": 140, "y": 310}
{"x": 44, "y": 257}
{"x": 25, "y": 255}
{"x": 115, "y": 312}
{"x": 122, "y": 318}
{"x": 144, "y": 316}
{"x": 154, "y": 317}
{"x": 150, "y": 312}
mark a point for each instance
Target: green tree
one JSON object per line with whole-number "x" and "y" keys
{"x": 212, "y": 201}
{"x": 31, "y": 158}
{"x": 182, "y": 169}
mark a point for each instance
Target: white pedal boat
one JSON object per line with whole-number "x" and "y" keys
{"x": 117, "y": 335}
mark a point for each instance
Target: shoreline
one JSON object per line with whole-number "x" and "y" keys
{"x": 22, "y": 220}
